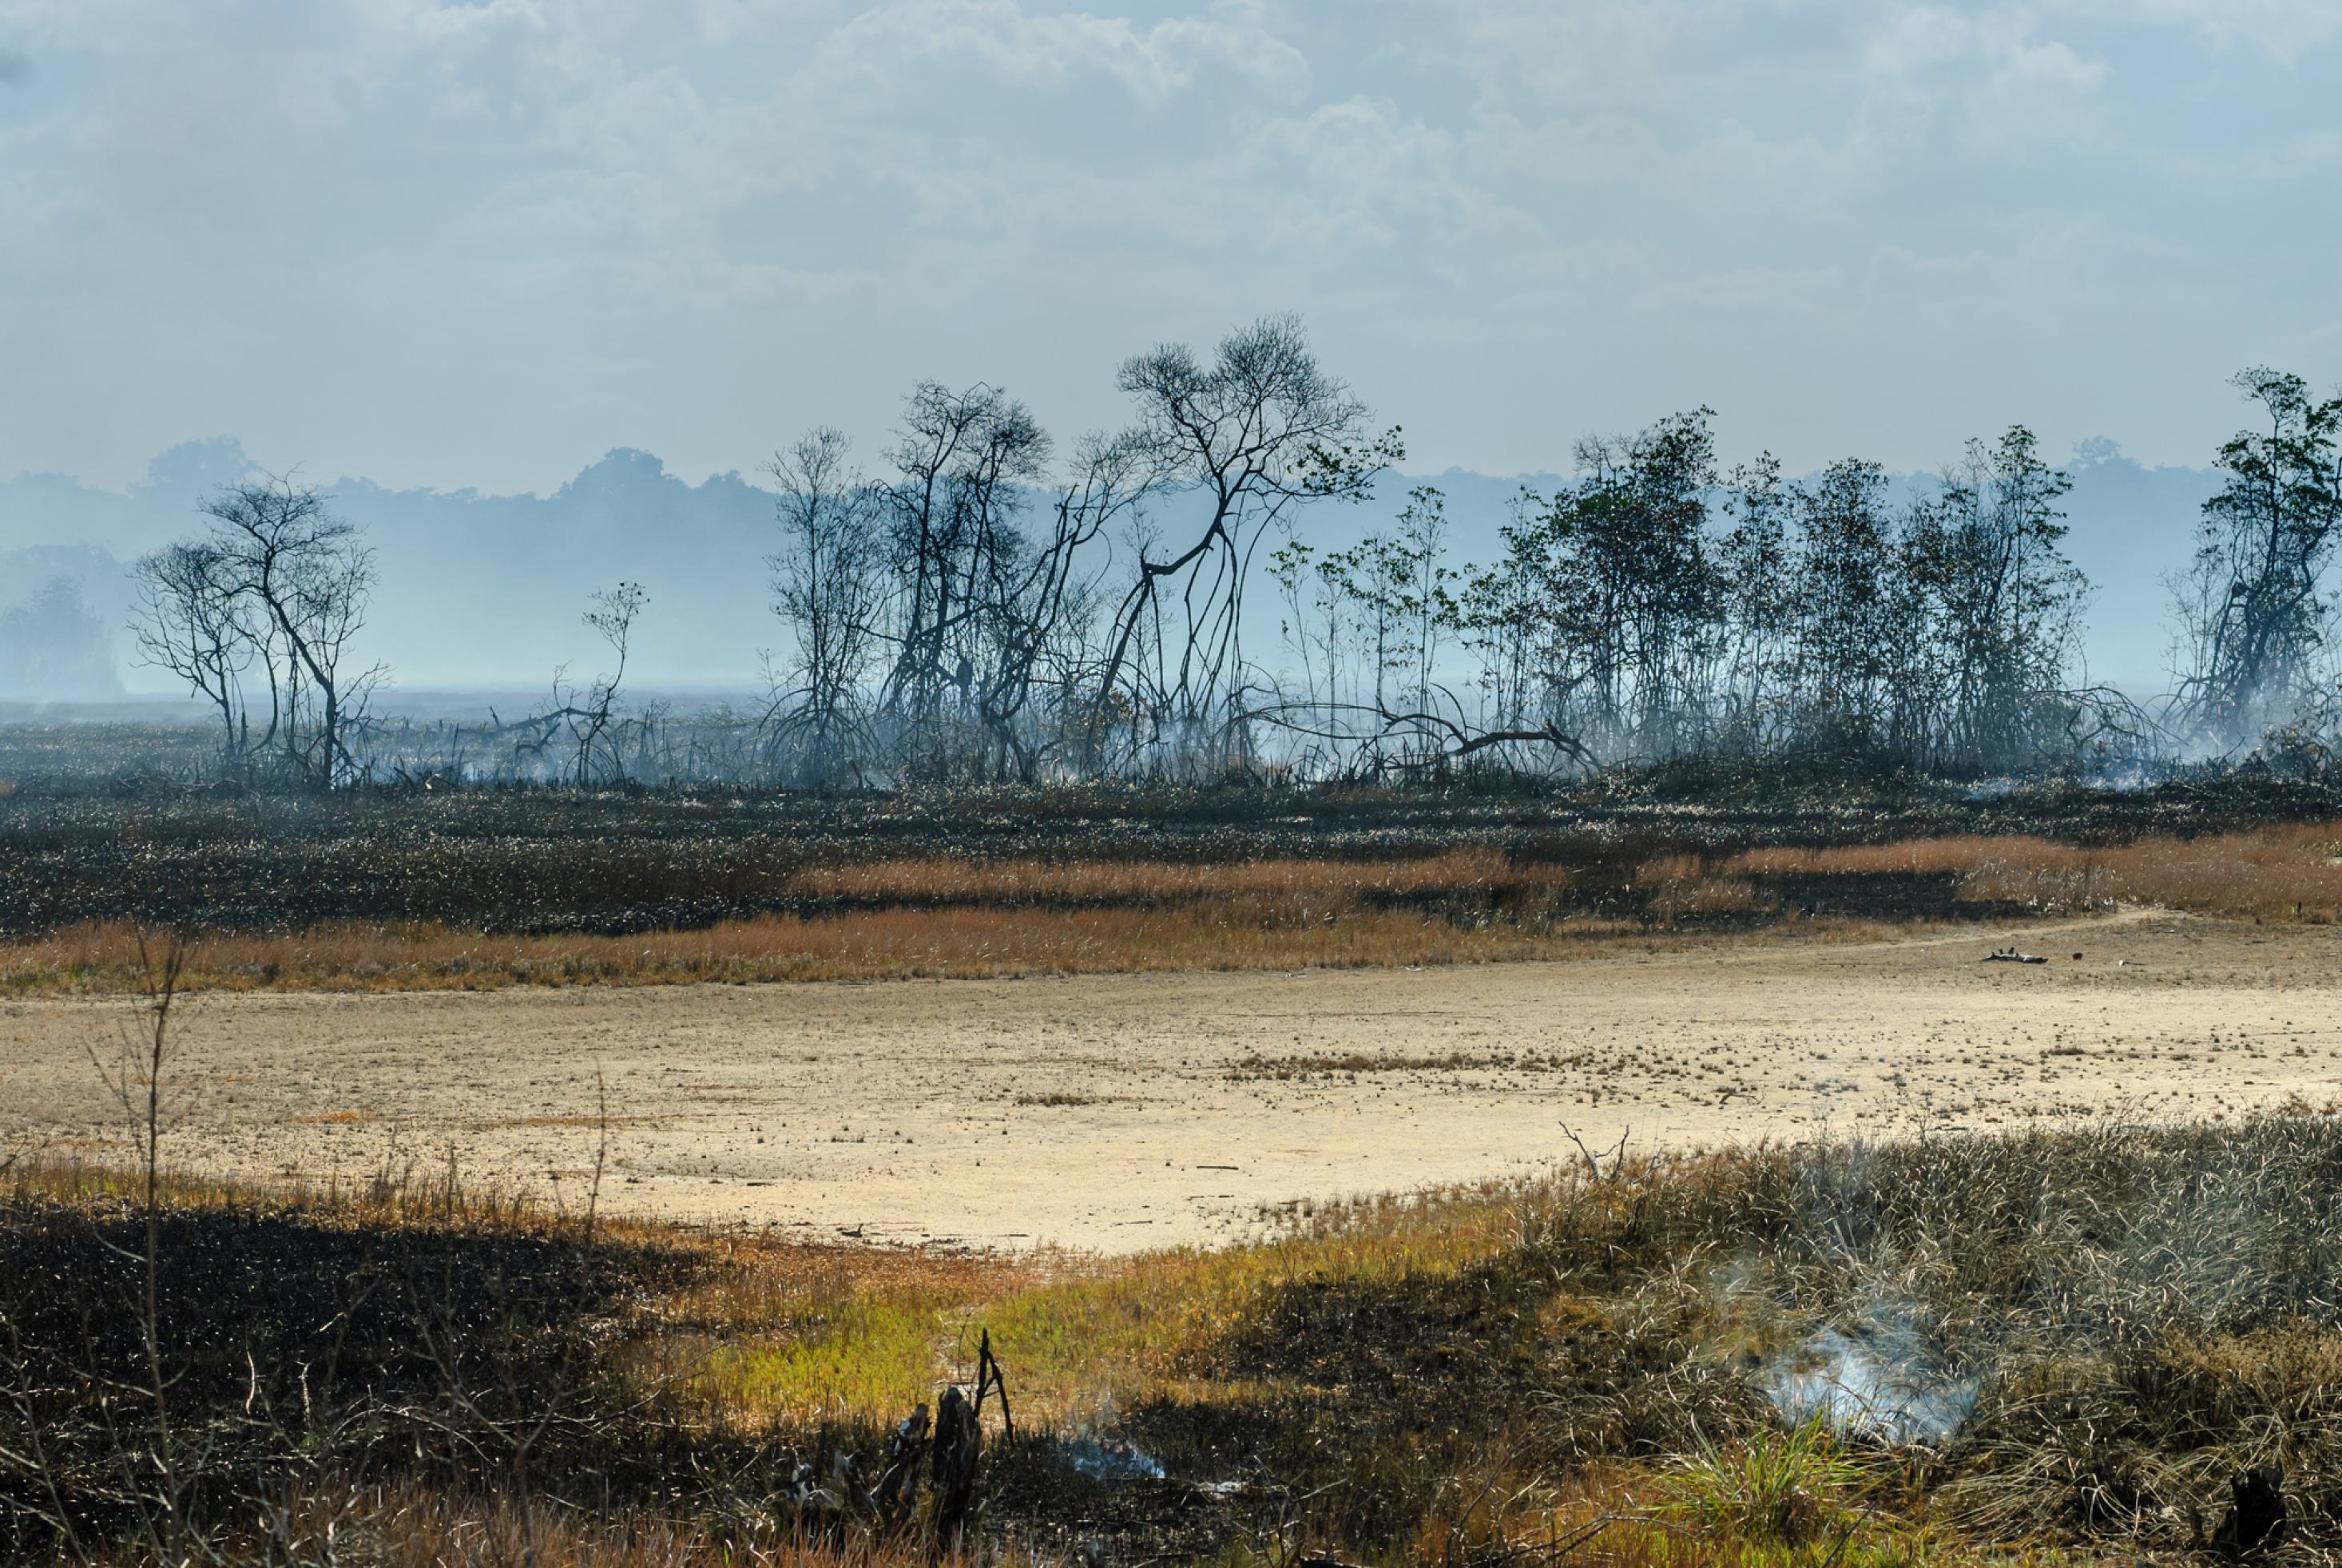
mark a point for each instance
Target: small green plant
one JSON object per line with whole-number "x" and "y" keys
{"x": 1778, "y": 1488}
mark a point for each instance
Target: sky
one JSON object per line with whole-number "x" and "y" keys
{"x": 478, "y": 244}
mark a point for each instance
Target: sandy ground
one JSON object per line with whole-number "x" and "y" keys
{"x": 1127, "y": 1112}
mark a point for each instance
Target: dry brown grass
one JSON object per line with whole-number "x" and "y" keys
{"x": 937, "y": 879}
{"x": 937, "y": 918}
{"x": 1246, "y": 932}
{"x": 1681, "y": 885}
{"x": 2277, "y": 872}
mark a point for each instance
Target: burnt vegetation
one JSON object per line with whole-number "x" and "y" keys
{"x": 390, "y": 886}
{"x": 1163, "y": 603}
{"x": 2097, "y": 1343}
{"x": 1026, "y": 712}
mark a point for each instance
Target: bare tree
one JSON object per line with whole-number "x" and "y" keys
{"x": 964, "y": 462}
{"x": 134, "y": 1083}
{"x": 827, "y": 589}
{"x": 611, "y": 613}
{"x": 1039, "y": 600}
{"x": 1386, "y": 602}
{"x": 300, "y": 566}
{"x": 279, "y": 581}
{"x": 1259, "y": 432}
{"x": 190, "y": 621}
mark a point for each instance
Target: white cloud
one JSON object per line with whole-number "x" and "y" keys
{"x": 438, "y": 22}
{"x": 1358, "y": 172}
{"x": 640, "y": 187}
{"x": 1988, "y": 73}
{"x": 1598, "y": 56}
{"x": 1049, "y": 49}
{"x": 2283, "y": 30}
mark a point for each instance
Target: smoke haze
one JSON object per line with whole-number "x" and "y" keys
{"x": 482, "y": 593}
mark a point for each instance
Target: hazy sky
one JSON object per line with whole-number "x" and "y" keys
{"x": 478, "y": 244}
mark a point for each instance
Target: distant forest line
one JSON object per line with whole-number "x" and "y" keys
{"x": 981, "y": 603}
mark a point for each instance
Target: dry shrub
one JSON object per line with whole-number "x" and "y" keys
{"x": 2135, "y": 1312}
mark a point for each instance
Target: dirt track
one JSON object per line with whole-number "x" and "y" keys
{"x": 1128, "y": 1112}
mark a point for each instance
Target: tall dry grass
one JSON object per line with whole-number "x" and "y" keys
{"x": 2276, "y": 872}
{"x": 1674, "y": 885}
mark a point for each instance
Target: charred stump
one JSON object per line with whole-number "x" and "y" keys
{"x": 958, "y": 1442}
{"x": 2255, "y": 1516}
{"x": 898, "y": 1484}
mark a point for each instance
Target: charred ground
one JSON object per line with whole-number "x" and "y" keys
{"x": 1682, "y": 850}
{"x": 1699, "y": 1360}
